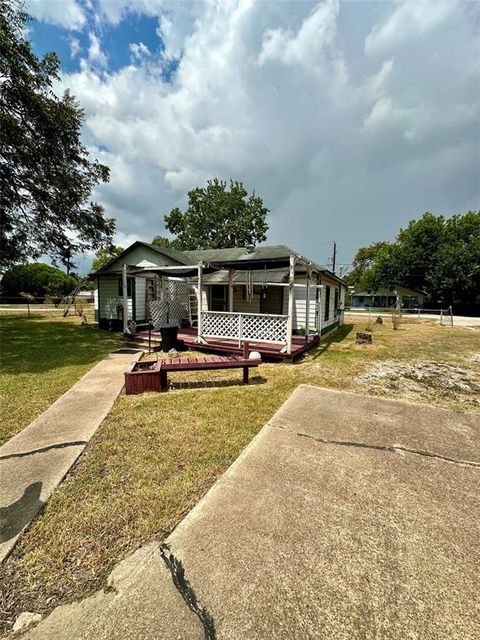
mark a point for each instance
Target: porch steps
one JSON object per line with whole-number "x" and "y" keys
{"x": 142, "y": 342}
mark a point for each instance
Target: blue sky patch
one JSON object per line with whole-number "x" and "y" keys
{"x": 115, "y": 41}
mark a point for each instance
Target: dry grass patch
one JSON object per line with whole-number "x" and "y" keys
{"x": 155, "y": 455}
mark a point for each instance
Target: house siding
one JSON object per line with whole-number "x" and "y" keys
{"x": 332, "y": 319}
{"x": 300, "y": 303}
{"x": 108, "y": 299}
{"x": 300, "y": 306}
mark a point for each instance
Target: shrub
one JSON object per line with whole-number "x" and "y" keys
{"x": 397, "y": 317}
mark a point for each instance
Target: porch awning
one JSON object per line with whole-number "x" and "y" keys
{"x": 188, "y": 271}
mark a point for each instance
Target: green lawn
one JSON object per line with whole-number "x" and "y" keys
{"x": 41, "y": 357}
{"x": 155, "y": 455}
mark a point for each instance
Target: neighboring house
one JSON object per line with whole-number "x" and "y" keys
{"x": 400, "y": 297}
{"x": 262, "y": 294}
{"x": 88, "y": 296}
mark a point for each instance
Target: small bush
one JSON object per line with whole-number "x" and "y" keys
{"x": 397, "y": 318}
{"x": 80, "y": 306}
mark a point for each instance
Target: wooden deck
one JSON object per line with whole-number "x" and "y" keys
{"x": 188, "y": 336}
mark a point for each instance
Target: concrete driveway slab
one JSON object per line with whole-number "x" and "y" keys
{"x": 352, "y": 418}
{"x": 305, "y": 539}
{"x": 141, "y": 603}
{"x": 35, "y": 461}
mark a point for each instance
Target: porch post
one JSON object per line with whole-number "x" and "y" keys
{"x": 125, "y": 298}
{"x": 307, "y": 307}
{"x": 230, "y": 289}
{"x": 199, "y": 304}
{"x": 291, "y": 301}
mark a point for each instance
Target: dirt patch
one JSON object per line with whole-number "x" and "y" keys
{"x": 429, "y": 378}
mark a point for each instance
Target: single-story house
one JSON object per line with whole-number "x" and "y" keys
{"x": 268, "y": 295}
{"x": 399, "y": 297}
{"x": 87, "y": 296}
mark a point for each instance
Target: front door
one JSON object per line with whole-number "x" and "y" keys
{"x": 272, "y": 300}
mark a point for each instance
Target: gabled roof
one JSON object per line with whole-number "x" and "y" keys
{"x": 170, "y": 253}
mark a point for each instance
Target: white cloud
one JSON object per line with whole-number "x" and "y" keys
{"x": 74, "y": 47}
{"x": 310, "y": 44}
{"x": 139, "y": 51}
{"x": 382, "y": 110}
{"x": 64, "y": 13}
{"x": 339, "y": 144}
{"x": 95, "y": 53}
{"x": 408, "y": 19}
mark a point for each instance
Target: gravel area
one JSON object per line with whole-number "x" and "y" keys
{"x": 420, "y": 378}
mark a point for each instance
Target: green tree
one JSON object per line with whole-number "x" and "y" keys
{"x": 36, "y": 279}
{"x": 218, "y": 217}
{"x": 437, "y": 255}
{"x": 362, "y": 264}
{"x": 104, "y": 255}
{"x": 166, "y": 243}
{"x": 46, "y": 176}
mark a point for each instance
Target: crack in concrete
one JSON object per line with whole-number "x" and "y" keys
{"x": 185, "y": 589}
{"x": 391, "y": 449}
{"x": 61, "y": 445}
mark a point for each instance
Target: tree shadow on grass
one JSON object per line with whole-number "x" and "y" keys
{"x": 326, "y": 342}
{"x": 177, "y": 385}
{"x": 29, "y": 346}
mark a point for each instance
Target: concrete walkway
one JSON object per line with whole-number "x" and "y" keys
{"x": 36, "y": 460}
{"x": 347, "y": 517}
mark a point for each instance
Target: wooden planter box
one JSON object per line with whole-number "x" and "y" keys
{"x": 141, "y": 377}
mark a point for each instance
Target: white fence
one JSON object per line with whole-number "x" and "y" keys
{"x": 245, "y": 326}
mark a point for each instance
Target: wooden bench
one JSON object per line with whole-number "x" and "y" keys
{"x": 152, "y": 376}
{"x": 205, "y": 363}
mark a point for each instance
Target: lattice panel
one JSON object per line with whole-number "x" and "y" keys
{"x": 220, "y": 325}
{"x": 159, "y": 313}
{"x": 264, "y": 327}
{"x": 245, "y": 326}
{"x": 171, "y": 307}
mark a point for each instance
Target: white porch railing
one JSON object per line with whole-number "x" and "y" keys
{"x": 262, "y": 327}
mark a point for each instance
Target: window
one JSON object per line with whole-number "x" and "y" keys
{"x": 130, "y": 281}
{"x": 218, "y": 297}
{"x": 336, "y": 300}
{"x": 327, "y": 302}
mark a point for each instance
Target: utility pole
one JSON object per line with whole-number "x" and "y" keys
{"x": 334, "y": 257}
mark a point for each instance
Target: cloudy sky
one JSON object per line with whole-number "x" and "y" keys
{"x": 348, "y": 118}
